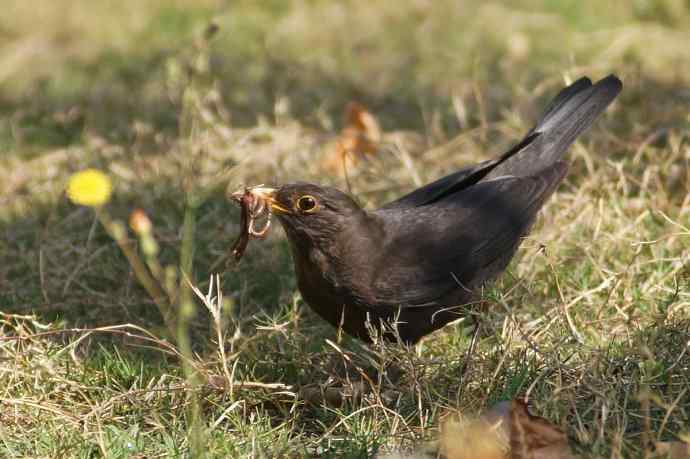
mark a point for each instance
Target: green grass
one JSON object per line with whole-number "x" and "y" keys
{"x": 594, "y": 329}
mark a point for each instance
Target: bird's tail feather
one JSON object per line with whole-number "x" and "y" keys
{"x": 570, "y": 113}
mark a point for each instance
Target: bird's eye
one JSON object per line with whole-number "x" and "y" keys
{"x": 306, "y": 203}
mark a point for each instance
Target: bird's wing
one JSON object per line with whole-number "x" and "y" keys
{"x": 455, "y": 182}
{"x": 458, "y": 242}
{"x": 459, "y": 179}
{"x": 568, "y": 115}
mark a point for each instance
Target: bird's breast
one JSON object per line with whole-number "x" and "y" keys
{"x": 317, "y": 274}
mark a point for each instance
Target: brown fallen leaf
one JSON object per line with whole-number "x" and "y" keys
{"x": 535, "y": 437}
{"x": 360, "y": 135}
{"x": 672, "y": 450}
{"x": 360, "y": 120}
{"x": 506, "y": 431}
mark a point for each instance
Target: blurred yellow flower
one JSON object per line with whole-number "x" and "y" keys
{"x": 89, "y": 187}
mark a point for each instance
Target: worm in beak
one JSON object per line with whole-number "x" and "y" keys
{"x": 254, "y": 203}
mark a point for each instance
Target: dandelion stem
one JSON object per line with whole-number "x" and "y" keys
{"x": 117, "y": 231}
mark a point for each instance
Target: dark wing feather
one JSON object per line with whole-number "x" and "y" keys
{"x": 459, "y": 242}
{"x": 452, "y": 183}
{"x": 420, "y": 196}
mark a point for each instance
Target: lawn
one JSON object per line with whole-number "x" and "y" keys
{"x": 180, "y": 102}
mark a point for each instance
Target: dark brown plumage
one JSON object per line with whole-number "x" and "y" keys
{"x": 415, "y": 260}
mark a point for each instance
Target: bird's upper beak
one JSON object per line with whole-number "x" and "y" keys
{"x": 268, "y": 195}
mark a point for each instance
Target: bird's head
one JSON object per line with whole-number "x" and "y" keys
{"x": 310, "y": 214}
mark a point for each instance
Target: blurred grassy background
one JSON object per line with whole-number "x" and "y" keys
{"x": 108, "y": 84}
{"x": 73, "y": 68}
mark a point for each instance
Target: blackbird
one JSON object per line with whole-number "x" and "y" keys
{"x": 417, "y": 262}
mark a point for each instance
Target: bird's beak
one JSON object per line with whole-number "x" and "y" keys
{"x": 268, "y": 195}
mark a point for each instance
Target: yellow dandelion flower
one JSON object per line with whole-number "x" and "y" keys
{"x": 89, "y": 187}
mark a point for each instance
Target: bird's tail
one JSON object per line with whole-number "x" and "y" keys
{"x": 570, "y": 113}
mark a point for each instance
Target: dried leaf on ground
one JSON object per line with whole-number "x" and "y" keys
{"x": 506, "y": 431}
{"x": 535, "y": 437}
{"x": 672, "y": 450}
{"x": 360, "y": 135}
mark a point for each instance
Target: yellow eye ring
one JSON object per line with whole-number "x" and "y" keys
{"x": 307, "y": 204}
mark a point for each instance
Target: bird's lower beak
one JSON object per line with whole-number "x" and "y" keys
{"x": 268, "y": 195}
